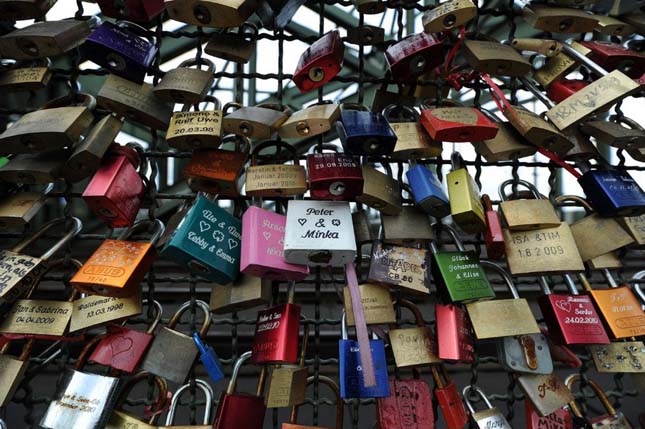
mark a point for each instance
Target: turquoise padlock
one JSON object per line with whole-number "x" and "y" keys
{"x": 208, "y": 242}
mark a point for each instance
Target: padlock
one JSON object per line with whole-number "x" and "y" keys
{"x": 413, "y": 56}
{"x": 617, "y": 7}
{"x": 450, "y": 402}
{"x": 134, "y": 102}
{"x": 240, "y": 410}
{"x": 44, "y": 39}
{"x": 370, "y": 7}
{"x": 199, "y": 129}
{"x": 124, "y": 48}
{"x": 276, "y": 332}
{"x": 611, "y": 420}
{"x": 208, "y": 404}
{"x": 457, "y": 124}
{"x": 609, "y": 261}
{"x": 320, "y": 62}
{"x": 613, "y": 56}
{"x": 488, "y": 418}
{"x": 91, "y": 311}
{"x": 13, "y": 371}
{"x": 209, "y": 359}
{"x": 613, "y": 133}
{"x": 362, "y": 228}
{"x": 114, "y": 193}
{"x": 537, "y": 131}
{"x": 334, "y": 176}
{"x": 564, "y": 88}
{"x": 351, "y": 371}
{"x": 338, "y": 401}
{"x": 186, "y": 85}
{"x": 120, "y": 419}
{"x": 245, "y": 293}
{"x": 547, "y": 47}
{"x": 636, "y": 20}
{"x": 20, "y": 272}
{"x": 380, "y": 191}
{"x": 142, "y": 11}
{"x": 404, "y": 268}
{"x": 448, "y": 15}
{"x": 560, "y": 419}
{"x": 414, "y": 346}
{"x": 526, "y": 214}
{"x": 495, "y": 58}
{"x": 17, "y": 210}
{"x": 508, "y": 144}
{"x": 571, "y": 319}
{"x": 123, "y": 348}
{"x": 493, "y": 235}
{"x": 172, "y": 353}
{"x": 88, "y": 154}
{"x": 257, "y": 122}
{"x": 611, "y": 191}
{"x": 547, "y": 392}
{"x": 237, "y": 47}
{"x": 455, "y": 337}
{"x": 594, "y": 235}
{"x": 558, "y": 19}
{"x": 412, "y": 141}
{"x": 635, "y": 226}
{"x": 211, "y": 13}
{"x": 311, "y": 121}
{"x": 458, "y": 275}
{"x": 377, "y": 304}
{"x": 397, "y": 229}
{"x": 69, "y": 406}
{"x": 611, "y": 26}
{"x": 266, "y": 258}
{"x": 118, "y": 267}
{"x": 56, "y": 125}
{"x": 16, "y": 10}
{"x": 367, "y": 35}
{"x": 465, "y": 203}
{"x": 363, "y": 132}
{"x": 275, "y": 179}
{"x": 287, "y": 383}
{"x": 319, "y": 233}
{"x": 408, "y": 406}
{"x": 619, "y": 356}
{"x": 427, "y": 190}
{"x": 22, "y": 77}
{"x": 559, "y": 65}
{"x": 207, "y": 242}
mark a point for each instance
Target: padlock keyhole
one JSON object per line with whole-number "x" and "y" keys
{"x": 565, "y": 23}
{"x": 449, "y": 20}
{"x": 202, "y": 14}
{"x": 321, "y": 257}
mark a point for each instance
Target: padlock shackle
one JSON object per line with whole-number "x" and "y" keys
{"x": 242, "y": 143}
{"x": 487, "y": 203}
{"x": 82, "y": 98}
{"x": 76, "y": 228}
{"x": 318, "y": 148}
{"x": 158, "y": 230}
{"x": 343, "y": 326}
{"x": 503, "y": 273}
{"x": 202, "y": 61}
{"x": 571, "y": 284}
{"x": 433, "y": 103}
{"x": 504, "y": 197}
{"x": 208, "y": 399}
{"x": 137, "y": 30}
{"x": 418, "y": 317}
{"x": 530, "y": 86}
{"x": 490, "y": 115}
{"x": 354, "y": 106}
{"x": 544, "y": 285}
{"x": 55, "y": 264}
{"x": 236, "y": 370}
{"x": 161, "y": 398}
{"x": 158, "y": 313}
{"x": 303, "y": 348}
{"x": 277, "y": 144}
{"x": 466, "y": 392}
{"x": 230, "y": 105}
{"x": 412, "y": 115}
{"x": 575, "y": 199}
{"x": 456, "y": 161}
{"x": 437, "y": 376}
{"x": 637, "y": 287}
{"x": 611, "y": 280}
{"x": 185, "y": 306}
{"x": 85, "y": 352}
{"x": 584, "y": 281}
{"x": 572, "y": 379}
{"x": 572, "y": 52}
{"x": 453, "y": 233}
{"x": 340, "y": 404}
{"x": 628, "y": 121}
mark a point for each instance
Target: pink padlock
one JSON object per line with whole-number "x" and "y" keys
{"x": 263, "y": 247}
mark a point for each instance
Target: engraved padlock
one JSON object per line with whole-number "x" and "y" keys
{"x": 311, "y": 121}
{"x": 186, "y": 85}
{"x": 380, "y": 191}
{"x": 448, "y": 15}
{"x": 274, "y": 179}
{"x": 412, "y": 141}
{"x": 456, "y": 123}
{"x": 26, "y": 76}
{"x": 198, "y": 129}
{"x": 334, "y": 176}
{"x": 507, "y": 144}
{"x": 320, "y": 62}
{"x": 495, "y": 58}
{"x": 488, "y": 418}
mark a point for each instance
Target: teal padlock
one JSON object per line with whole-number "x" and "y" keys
{"x": 458, "y": 274}
{"x": 207, "y": 241}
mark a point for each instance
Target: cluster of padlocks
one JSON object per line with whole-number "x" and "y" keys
{"x": 287, "y": 221}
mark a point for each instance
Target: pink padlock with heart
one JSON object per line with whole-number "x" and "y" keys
{"x": 263, "y": 247}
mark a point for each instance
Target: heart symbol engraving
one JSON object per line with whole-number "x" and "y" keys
{"x": 204, "y": 226}
{"x": 120, "y": 344}
{"x": 302, "y": 221}
{"x": 266, "y": 235}
{"x": 232, "y": 244}
{"x": 563, "y": 305}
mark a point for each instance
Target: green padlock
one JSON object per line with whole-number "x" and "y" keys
{"x": 458, "y": 275}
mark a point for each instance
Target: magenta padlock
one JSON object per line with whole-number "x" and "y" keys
{"x": 115, "y": 191}
{"x": 413, "y": 56}
{"x": 263, "y": 247}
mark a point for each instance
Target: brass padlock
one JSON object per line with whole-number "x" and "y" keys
{"x": 134, "y": 102}
{"x": 258, "y": 122}
{"x": 413, "y": 142}
{"x": 558, "y": 66}
{"x": 311, "y": 121}
{"x": 17, "y": 210}
{"x": 547, "y": 392}
{"x": 547, "y": 47}
{"x": 275, "y": 180}
{"x": 237, "y": 47}
{"x": 611, "y": 26}
{"x": 186, "y": 85}
{"x": 200, "y": 129}
{"x": 34, "y": 169}
{"x": 465, "y": 202}
{"x": 507, "y": 145}
{"x": 612, "y": 133}
{"x": 559, "y": 19}
{"x": 495, "y": 58}
{"x": 370, "y": 7}
{"x": 245, "y": 293}
{"x": 211, "y": 13}
{"x": 538, "y": 131}
{"x": 377, "y": 304}
{"x": 380, "y": 191}
{"x": 583, "y": 149}
{"x": 44, "y": 39}
{"x": 287, "y": 383}
{"x": 17, "y": 10}
{"x": 609, "y": 261}
{"x": 57, "y": 124}
{"x": 414, "y": 346}
{"x": 634, "y": 225}
{"x": 448, "y": 15}
{"x": 397, "y": 229}
{"x": 22, "y": 76}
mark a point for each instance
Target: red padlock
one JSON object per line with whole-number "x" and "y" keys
{"x": 612, "y": 56}
{"x": 320, "y": 62}
{"x": 132, "y": 10}
{"x": 455, "y": 338}
{"x": 452, "y": 407}
{"x": 334, "y": 176}
{"x": 562, "y": 89}
{"x": 409, "y": 405}
{"x": 413, "y": 56}
{"x": 115, "y": 191}
{"x": 560, "y": 419}
{"x": 123, "y": 348}
{"x": 493, "y": 235}
{"x": 457, "y": 124}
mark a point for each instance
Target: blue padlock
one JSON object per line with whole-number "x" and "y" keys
{"x": 208, "y": 242}
{"x": 363, "y": 132}
{"x": 428, "y": 193}
{"x": 209, "y": 359}
{"x": 613, "y": 193}
{"x": 349, "y": 361}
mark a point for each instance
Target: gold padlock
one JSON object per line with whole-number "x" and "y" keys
{"x": 380, "y": 191}
{"x": 211, "y": 13}
{"x": 559, "y": 19}
{"x": 186, "y": 85}
{"x": 609, "y": 261}
{"x": 44, "y": 39}
{"x": 245, "y": 293}
{"x": 538, "y": 131}
{"x": 611, "y": 26}
{"x": 258, "y": 122}
{"x": 558, "y": 66}
{"x": 17, "y": 210}
{"x": 286, "y": 384}
{"x": 635, "y": 226}
{"x": 399, "y": 229}
{"x": 465, "y": 202}
{"x": 310, "y": 121}
{"x": 34, "y": 169}
{"x": 448, "y": 15}
{"x": 612, "y": 133}
{"x": 26, "y": 77}
{"x": 412, "y": 140}
{"x": 507, "y": 144}
{"x": 377, "y": 304}
{"x": 526, "y": 214}
{"x": 414, "y": 346}
{"x": 495, "y": 58}
{"x": 201, "y": 129}
{"x": 237, "y": 47}
{"x": 275, "y": 180}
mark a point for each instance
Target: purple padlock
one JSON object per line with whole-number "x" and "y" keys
{"x": 263, "y": 247}
{"x": 125, "y": 49}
